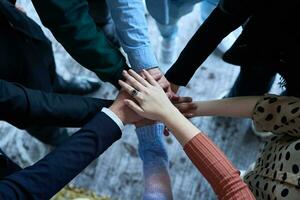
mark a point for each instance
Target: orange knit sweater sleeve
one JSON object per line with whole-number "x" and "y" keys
{"x": 217, "y": 169}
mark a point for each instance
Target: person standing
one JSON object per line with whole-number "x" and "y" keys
{"x": 261, "y": 54}
{"x": 26, "y": 57}
{"x": 167, "y": 13}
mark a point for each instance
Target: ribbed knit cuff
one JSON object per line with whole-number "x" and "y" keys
{"x": 151, "y": 142}
{"x": 217, "y": 169}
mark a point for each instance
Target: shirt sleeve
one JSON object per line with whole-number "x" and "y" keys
{"x": 277, "y": 114}
{"x": 132, "y": 30}
{"x": 217, "y": 169}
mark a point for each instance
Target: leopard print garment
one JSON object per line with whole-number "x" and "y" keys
{"x": 276, "y": 174}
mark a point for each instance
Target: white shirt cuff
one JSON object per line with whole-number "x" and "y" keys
{"x": 114, "y": 117}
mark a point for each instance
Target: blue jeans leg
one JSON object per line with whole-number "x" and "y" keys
{"x": 168, "y": 31}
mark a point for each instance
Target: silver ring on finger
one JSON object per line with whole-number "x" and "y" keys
{"x": 134, "y": 92}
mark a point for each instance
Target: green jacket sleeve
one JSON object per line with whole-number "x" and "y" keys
{"x": 74, "y": 28}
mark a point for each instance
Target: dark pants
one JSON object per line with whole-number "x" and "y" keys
{"x": 252, "y": 81}
{"x": 7, "y": 166}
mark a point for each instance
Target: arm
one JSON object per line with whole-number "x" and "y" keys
{"x": 49, "y": 175}
{"x": 214, "y": 29}
{"x": 23, "y": 107}
{"x": 132, "y": 30}
{"x": 73, "y": 27}
{"x": 210, "y": 161}
{"x": 270, "y": 113}
{"x": 46, "y": 177}
{"x": 230, "y": 107}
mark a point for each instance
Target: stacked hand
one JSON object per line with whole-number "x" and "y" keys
{"x": 152, "y": 102}
{"x": 126, "y": 115}
{"x": 168, "y": 87}
{"x": 183, "y": 104}
{"x": 186, "y": 106}
{"x": 145, "y": 98}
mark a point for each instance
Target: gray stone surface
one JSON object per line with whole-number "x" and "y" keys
{"x": 118, "y": 172}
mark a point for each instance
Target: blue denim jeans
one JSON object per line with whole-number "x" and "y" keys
{"x": 179, "y": 8}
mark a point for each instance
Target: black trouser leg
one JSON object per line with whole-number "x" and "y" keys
{"x": 252, "y": 81}
{"x": 7, "y": 166}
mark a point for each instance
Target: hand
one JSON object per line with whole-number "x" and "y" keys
{"x": 126, "y": 115}
{"x": 185, "y": 105}
{"x": 170, "y": 88}
{"x": 153, "y": 103}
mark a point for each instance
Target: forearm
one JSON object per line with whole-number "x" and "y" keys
{"x": 132, "y": 31}
{"x": 23, "y": 107}
{"x": 210, "y": 161}
{"x": 217, "y": 169}
{"x": 230, "y": 107}
{"x": 72, "y": 25}
{"x": 180, "y": 126}
{"x": 60, "y": 166}
{"x": 216, "y": 27}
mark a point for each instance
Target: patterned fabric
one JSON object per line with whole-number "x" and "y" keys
{"x": 276, "y": 174}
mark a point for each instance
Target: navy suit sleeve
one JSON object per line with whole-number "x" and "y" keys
{"x": 45, "y": 178}
{"x": 23, "y": 107}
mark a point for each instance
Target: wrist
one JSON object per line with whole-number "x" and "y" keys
{"x": 198, "y": 111}
{"x": 169, "y": 116}
{"x": 117, "y": 111}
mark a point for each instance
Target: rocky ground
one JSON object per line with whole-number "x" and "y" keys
{"x": 118, "y": 173}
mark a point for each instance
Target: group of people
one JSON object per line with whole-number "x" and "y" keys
{"x": 35, "y": 98}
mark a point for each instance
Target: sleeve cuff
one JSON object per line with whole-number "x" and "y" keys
{"x": 150, "y": 133}
{"x": 114, "y": 117}
{"x": 142, "y": 58}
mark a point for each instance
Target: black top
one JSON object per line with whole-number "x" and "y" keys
{"x": 268, "y": 37}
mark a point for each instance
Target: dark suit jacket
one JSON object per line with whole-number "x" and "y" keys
{"x": 23, "y": 107}
{"x": 26, "y": 54}
{"x": 268, "y": 37}
{"x": 45, "y": 178}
